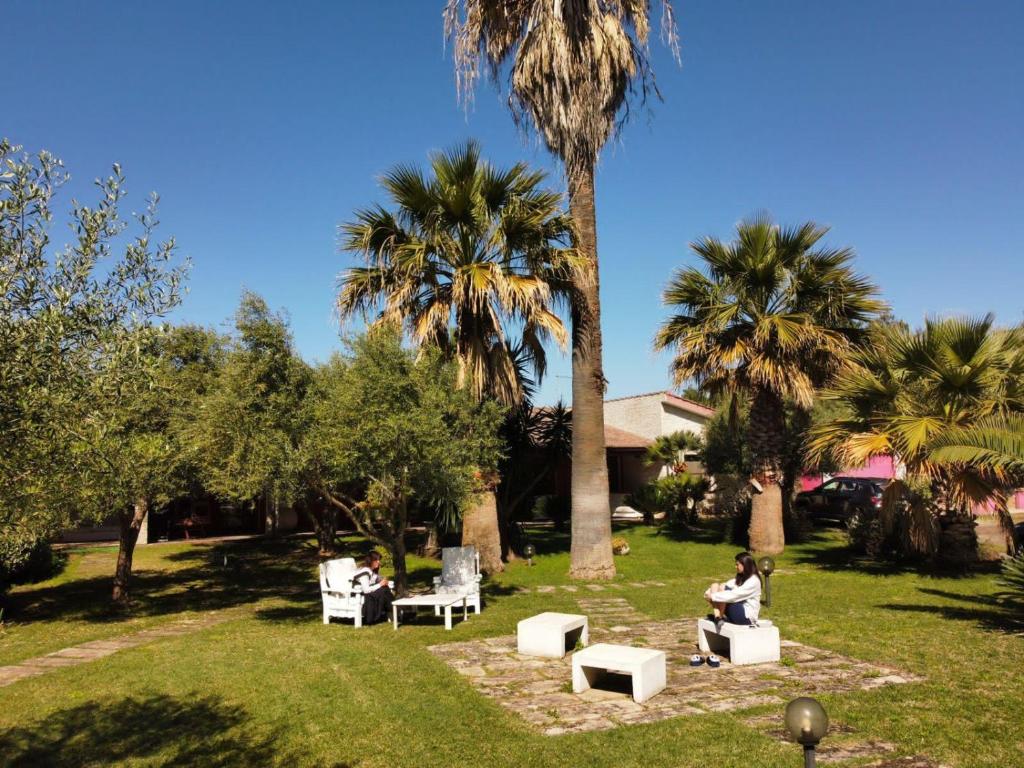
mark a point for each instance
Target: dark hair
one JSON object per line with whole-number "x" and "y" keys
{"x": 371, "y": 557}
{"x": 749, "y": 567}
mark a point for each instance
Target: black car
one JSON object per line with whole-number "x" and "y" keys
{"x": 842, "y": 497}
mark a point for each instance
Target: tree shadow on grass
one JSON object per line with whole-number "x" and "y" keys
{"x": 549, "y": 540}
{"x": 200, "y": 581}
{"x": 840, "y": 557}
{"x": 985, "y": 611}
{"x": 175, "y": 731}
{"x": 705, "y": 532}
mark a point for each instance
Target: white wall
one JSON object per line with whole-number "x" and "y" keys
{"x": 639, "y": 415}
{"x": 675, "y": 419}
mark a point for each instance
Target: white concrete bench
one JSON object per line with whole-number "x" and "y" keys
{"x": 742, "y": 644}
{"x": 645, "y": 666}
{"x": 551, "y": 634}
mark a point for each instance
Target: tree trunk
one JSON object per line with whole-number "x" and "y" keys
{"x": 325, "y": 518}
{"x": 766, "y": 431}
{"x": 400, "y": 521}
{"x": 480, "y": 530}
{"x": 397, "y": 548}
{"x": 995, "y": 535}
{"x": 131, "y": 523}
{"x": 591, "y": 552}
{"x": 270, "y": 516}
{"x": 432, "y": 545}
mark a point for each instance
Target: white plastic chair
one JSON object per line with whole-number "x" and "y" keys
{"x": 341, "y": 599}
{"x": 460, "y": 575}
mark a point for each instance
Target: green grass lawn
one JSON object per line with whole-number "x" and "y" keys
{"x": 273, "y": 686}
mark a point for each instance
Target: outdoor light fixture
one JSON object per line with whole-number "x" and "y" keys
{"x": 529, "y": 550}
{"x": 807, "y": 722}
{"x": 766, "y": 565}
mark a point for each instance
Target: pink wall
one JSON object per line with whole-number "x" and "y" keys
{"x": 878, "y": 466}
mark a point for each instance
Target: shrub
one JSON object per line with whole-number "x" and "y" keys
{"x": 1012, "y": 579}
{"x": 24, "y": 559}
{"x": 865, "y": 534}
{"x": 678, "y": 496}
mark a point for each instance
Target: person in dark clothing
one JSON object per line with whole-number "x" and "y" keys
{"x": 377, "y": 595}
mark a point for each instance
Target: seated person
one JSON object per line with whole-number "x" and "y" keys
{"x": 377, "y": 595}
{"x": 738, "y": 601}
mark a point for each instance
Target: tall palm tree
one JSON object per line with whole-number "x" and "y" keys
{"x": 573, "y": 66}
{"x": 769, "y": 320}
{"x": 946, "y": 401}
{"x": 474, "y": 261}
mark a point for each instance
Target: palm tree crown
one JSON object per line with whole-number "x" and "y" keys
{"x": 769, "y": 320}
{"x": 946, "y": 402}
{"x": 467, "y": 260}
{"x": 771, "y": 312}
{"x": 574, "y": 63}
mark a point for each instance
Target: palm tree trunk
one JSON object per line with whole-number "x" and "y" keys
{"x": 480, "y": 529}
{"x": 131, "y": 524}
{"x": 766, "y": 431}
{"x": 591, "y": 552}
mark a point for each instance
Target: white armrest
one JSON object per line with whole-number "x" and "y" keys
{"x": 336, "y": 593}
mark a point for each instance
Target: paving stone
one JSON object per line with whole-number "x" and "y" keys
{"x": 539, "y": 690}
{"x": 12, "y": 674}
{"x": 51, "y": 662}
{"x": 85, "y": 654}
{"x": 545, "y": 589}
{"x": 97, "y": 649}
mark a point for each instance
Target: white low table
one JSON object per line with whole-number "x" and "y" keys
{"x": 432, "y": 601}
{"x": 742, "y": 644}
{"x": 645, "y": 665}
{"x": 551, "y": 634}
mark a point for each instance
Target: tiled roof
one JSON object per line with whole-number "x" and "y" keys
{"x": 670, "y": 398}
{"x": 620, "y": 438}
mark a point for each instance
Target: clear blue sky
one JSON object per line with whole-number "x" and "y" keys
{"x": 264, "y": 125}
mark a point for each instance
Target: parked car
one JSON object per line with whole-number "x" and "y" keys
{"x": 842, "y": 497}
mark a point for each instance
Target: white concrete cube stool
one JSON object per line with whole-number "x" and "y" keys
{"x": 742, "y": 644}
{"x": 645, "y": 665}
{"x": 551, "y": 634}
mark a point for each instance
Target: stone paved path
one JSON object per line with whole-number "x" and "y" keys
{"x": 98, "y": 649}
{"x": 540, "y": 690}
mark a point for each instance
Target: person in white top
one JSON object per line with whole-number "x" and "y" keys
{"x": 738, "y": 601}
{"x": 377, "y": 595}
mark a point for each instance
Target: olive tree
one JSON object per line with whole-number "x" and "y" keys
{"x": 245, "y": 431}
{"x": 74, "y": 321}
{"x": 389, "y": 429}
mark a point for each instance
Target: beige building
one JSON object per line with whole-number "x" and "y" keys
{"x": 633, "y": 423}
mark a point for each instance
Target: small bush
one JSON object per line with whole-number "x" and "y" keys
{"x": 865, "y": 534}
{"x": 25, "y": 559}
{"x": 678, "y": 496}
{"x": 1012, "y": 579}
